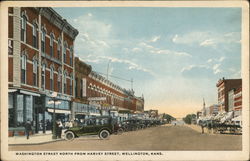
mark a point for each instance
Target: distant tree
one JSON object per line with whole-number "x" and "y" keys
{"x": 188, "y": 119}
{"x": 168, "y": 117}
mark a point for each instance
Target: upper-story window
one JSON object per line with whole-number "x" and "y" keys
{"x": 71, "y": 84}
{"x": 59, "y": 49}
{"x": 71, "y": 56}
{"x": 43, "y": 40}
{"x": 23, "y": 68}
{"x": 76, "y": 84}
{"x": 51, "y": 78}
{"x": 51, "y": 44}
{"x": 43, "y": 76}
{"x": 65, "y": 83}
{"x": 35, "y": 64}
{"x": 35, "y": 35}
{"x": 23, "y": 28}
{"x": 59, "y": 77}
{"x": 64, "y": 52}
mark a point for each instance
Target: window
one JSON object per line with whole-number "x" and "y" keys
{"x": 51, "y": 78}
{"x": 59, "y": 81}
{"x": 64, "y": 52}
{"x": 51, "y": 45}
{"x": 71, "y": 85}
{"x": 81, "y": 84}
{"x": 43, "y": 41}
{"x": 23, "y": 28}
{"x": 65, "y": 83}
{"x": 76, "y": 84}
{"x": 35, "y": 72}
{"x": 43, "y": 76}
{"x": 35, "y": 36}
{"x": 23, "y": 68}
{"x": 71, "y": 56}
{"x": 59, "y": 49}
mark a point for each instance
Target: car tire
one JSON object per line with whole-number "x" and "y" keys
{"x": 120, "y": 131}
{"x": 104, "y": 134}
{"x": 69, "y": 135}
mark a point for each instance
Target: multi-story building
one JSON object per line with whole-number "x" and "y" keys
{"x": 224, "y": 86}
{"x": 41, "y": 61}
{"x": 213, "y": 110}
{"x": 237, "y": 102}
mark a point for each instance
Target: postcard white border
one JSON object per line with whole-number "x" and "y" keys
{"x": 168, "y": 155}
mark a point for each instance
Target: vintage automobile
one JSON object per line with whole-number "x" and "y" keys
{"x": 103, "y": 126}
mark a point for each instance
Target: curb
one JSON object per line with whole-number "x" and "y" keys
{"x": 36, "y": 143}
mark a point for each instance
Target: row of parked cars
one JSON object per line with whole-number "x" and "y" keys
{"x": 104, "y": 126}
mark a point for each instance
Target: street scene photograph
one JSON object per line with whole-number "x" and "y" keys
{"x": 125, "y": 79}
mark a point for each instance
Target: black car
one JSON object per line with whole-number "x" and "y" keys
{"x": 102, "y": 126}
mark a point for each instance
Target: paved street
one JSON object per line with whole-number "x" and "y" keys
{"x": 163, "y": 138}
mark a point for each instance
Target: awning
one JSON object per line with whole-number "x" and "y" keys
{"x": 94, "y": 114}
{"x": 81, "y": 113}
{"x": 59, "y": 111}
{"x": 228, "y": 116}
{"x": 30, "y": 93}
{"x": 12, "y": 90}
{"x": 238, "y": 118}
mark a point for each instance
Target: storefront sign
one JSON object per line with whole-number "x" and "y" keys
{"x": 97, "y": 99}
{"x": 59, "y": 111}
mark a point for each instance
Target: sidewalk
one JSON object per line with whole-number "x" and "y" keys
{"x": 35, "y": 139}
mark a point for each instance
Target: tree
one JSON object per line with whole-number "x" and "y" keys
{"x": 188, "y": 119}
{"x": 168, "y": 117}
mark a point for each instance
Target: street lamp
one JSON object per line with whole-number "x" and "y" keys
{"x": 54, "y": 101}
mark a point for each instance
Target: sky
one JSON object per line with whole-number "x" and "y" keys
{"x": 175, "y": 56}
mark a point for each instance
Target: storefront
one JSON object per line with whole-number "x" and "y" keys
{"x": 22, "y": 107}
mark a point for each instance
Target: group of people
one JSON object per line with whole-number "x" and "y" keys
{"x": 58, "y": 128}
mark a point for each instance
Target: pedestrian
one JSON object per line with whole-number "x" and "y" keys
{"x": 28, "y": 128}
{"x": 60, "y": 127}
{"x": 202, "y": 128}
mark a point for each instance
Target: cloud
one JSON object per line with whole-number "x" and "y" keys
{"x": 155, "y": 38}
{"x": 136, "y": 50}
{"x": 216, "y": 69}
{"x": 95, "y": 35}
{"x": 206, "y": 38}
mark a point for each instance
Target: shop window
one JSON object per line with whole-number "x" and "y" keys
{"x": 23, "y": 28}
{"x": 23, "y": 68}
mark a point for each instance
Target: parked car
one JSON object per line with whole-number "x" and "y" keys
{"x": 102, "y": 126}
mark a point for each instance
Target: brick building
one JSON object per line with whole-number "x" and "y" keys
{"x": 224, "y": 86}
{"x": 41, "y": 61}
{"x": 235, "y": 101}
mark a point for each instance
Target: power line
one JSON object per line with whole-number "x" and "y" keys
{"x": 115, "y": 77}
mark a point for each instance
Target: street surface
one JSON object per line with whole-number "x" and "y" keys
{"x": 166, "y": 137}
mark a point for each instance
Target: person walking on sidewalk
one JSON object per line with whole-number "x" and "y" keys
{"x": 28, "y": 128}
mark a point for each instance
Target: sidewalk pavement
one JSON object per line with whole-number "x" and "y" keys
{"x": 35, "y": 139}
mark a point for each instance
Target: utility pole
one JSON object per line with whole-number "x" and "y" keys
{"x": 131, "y": 83}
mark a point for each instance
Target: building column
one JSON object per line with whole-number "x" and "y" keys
{"x": 16, "y": 46}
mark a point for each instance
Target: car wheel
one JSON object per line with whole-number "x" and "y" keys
{"x": 120, "y": 131}
{"x": 69, "y": 135}
{"x": 104, "y": 134}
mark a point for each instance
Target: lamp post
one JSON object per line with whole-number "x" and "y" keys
{"x": 54, "y": 101}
